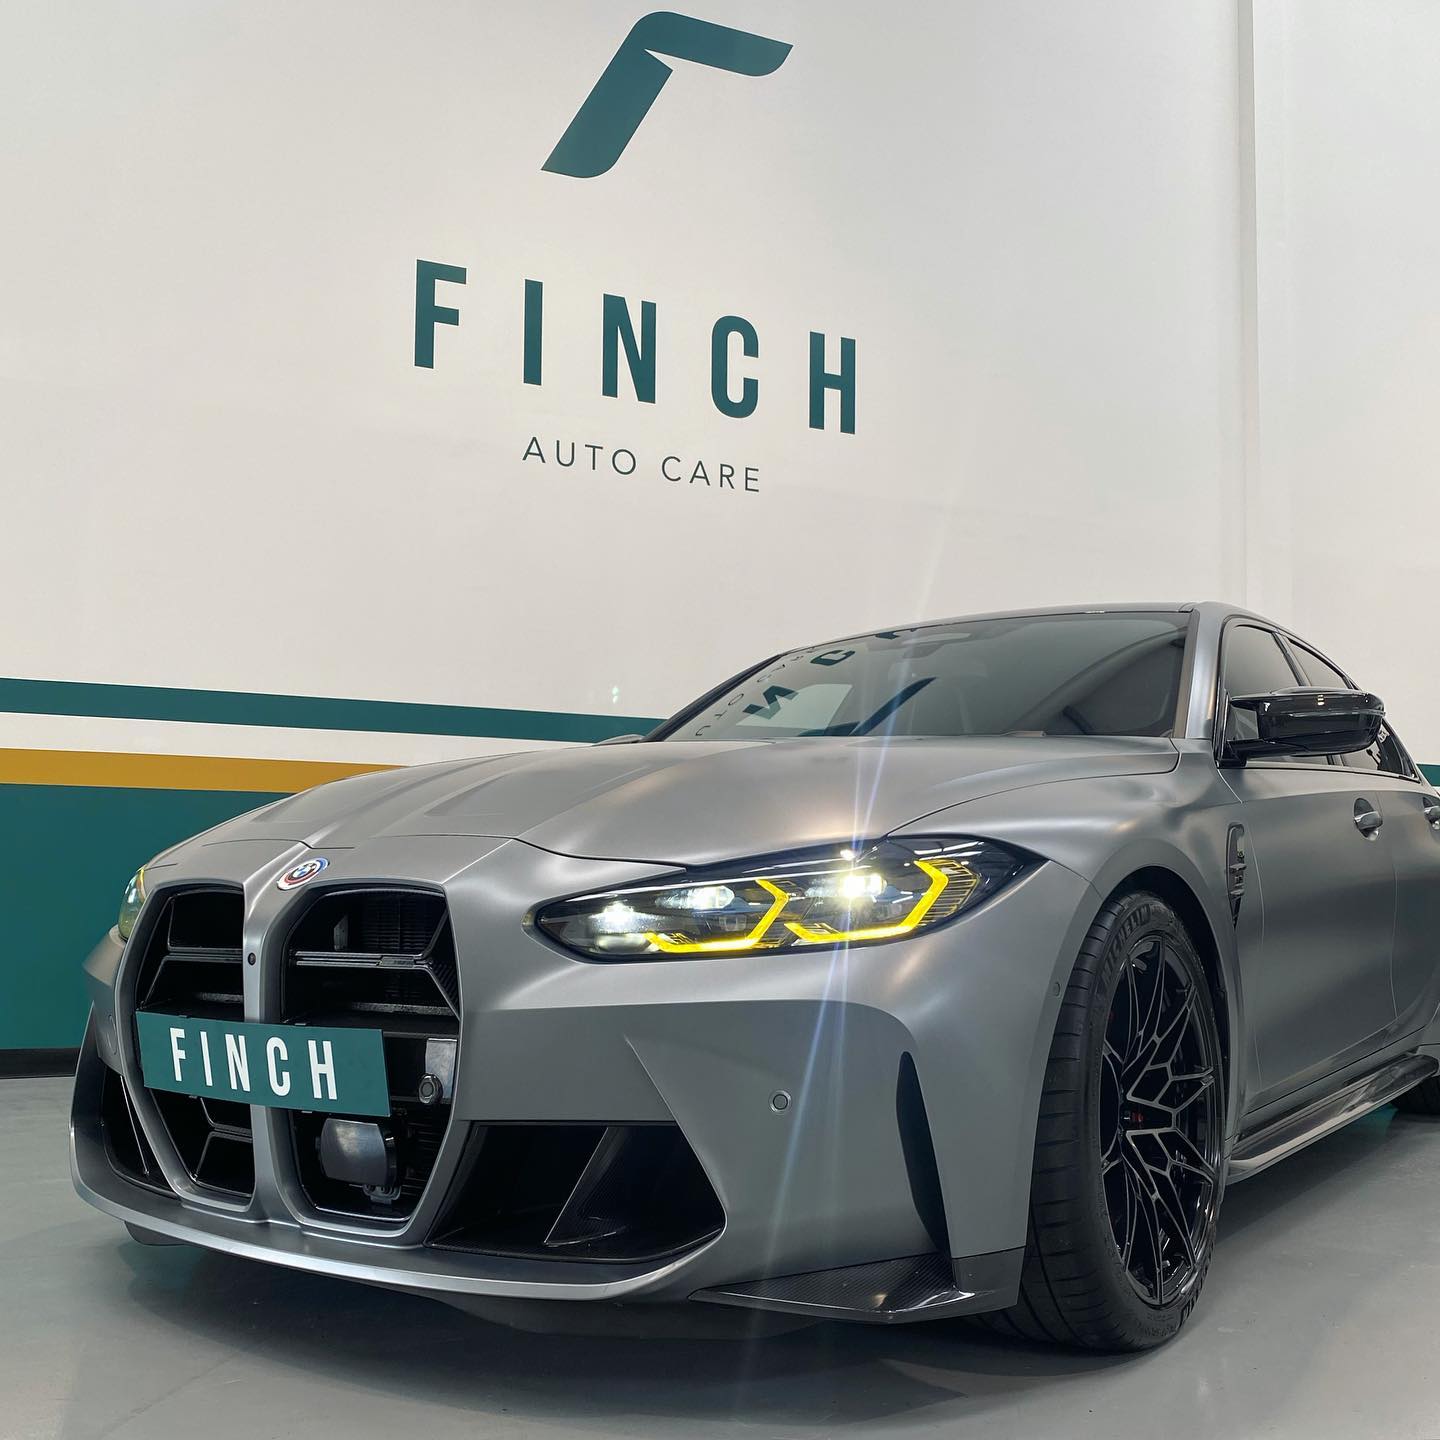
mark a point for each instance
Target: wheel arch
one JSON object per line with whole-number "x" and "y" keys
{"x": 1215, "y": 956}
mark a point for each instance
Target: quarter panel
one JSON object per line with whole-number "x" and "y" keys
{"x": 1414, "y": 846}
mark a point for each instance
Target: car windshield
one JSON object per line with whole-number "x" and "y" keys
{"x": 1115, "y": 673}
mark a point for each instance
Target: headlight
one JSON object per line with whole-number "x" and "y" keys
{"x": 130, "y": 905}
{"x": 850, "y": 897}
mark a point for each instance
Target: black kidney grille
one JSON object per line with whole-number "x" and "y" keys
{"x": 417, "y": 1132}
{"x": 212, "y": 1138}
{"x": 368, "y": 951}
{"x": 376, "y": 924}
{"x": 191, "y": 964}
{"x": 384, "y": 959}
{"x": 443, "y": 969}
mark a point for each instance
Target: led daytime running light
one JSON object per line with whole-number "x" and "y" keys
{"x": 940, "y": 881}
{"x": 671, "y": 946}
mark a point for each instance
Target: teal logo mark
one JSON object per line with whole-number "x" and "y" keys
{"x": 623, "y": 95}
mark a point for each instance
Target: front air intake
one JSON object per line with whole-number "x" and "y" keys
{"x": 126, "y": 1147}
{"x": 616, "y": 1193}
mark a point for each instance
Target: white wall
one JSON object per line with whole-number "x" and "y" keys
{"x": 1348, "y": 232}
{"x": 1072, "y": 283}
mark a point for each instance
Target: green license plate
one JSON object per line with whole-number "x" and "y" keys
{"x": 287, "y": 1067}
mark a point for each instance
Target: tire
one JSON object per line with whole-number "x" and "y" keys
{"x": 1424, "y": 1099}
{"x": 1097, "y": 1151}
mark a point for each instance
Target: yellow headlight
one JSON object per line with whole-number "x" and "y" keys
{"x": 678, "y": 945}
{"x": 132, "y": 903}
{"x": 945, "y": 875}
{"x": 850, "y": 895}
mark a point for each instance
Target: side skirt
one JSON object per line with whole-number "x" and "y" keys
{"x": 1273, "y": 1142}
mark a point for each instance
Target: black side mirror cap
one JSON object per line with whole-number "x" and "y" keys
{"x": 1308, "y": 721}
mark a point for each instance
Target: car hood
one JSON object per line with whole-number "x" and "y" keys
{"x": 691, "y": 802}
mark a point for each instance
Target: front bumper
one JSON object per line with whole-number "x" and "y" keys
{"x": 893, "y": 1184}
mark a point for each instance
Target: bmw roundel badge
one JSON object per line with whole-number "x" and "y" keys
{"x": 299, "y": 874}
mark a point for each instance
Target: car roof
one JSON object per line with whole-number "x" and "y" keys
{"x": 1214, "y": 610}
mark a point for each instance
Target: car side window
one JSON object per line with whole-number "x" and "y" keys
{"x": 1319, "y": 671}
{"x": 1253, "y": 664}
{"x": 1386, "y": 755}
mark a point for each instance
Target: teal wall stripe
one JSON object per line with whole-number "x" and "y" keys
{"x": 68, "y": 850}
{"x": 1431, "y": 773}
{"x": 307, "y": 712}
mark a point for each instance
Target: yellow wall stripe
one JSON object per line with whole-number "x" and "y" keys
{"x": 170, "y": 772}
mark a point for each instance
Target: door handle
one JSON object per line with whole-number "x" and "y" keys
{"x": 1367, "y": 818}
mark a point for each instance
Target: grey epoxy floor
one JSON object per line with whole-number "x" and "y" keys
{"x": 1321, "y": 1318}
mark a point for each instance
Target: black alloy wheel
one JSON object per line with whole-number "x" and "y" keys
{"x": 1126, "y": 1188}
{"x": 1160, "y": 1121}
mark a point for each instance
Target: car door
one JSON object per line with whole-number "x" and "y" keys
{"x": 1410, "y": 809}
{"x": 1316, "y": 959}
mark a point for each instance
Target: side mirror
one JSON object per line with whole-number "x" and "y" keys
{"x": 1303, "y": 722}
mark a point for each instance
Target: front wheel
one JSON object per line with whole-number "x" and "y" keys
{"x": 1125, "y": 1193}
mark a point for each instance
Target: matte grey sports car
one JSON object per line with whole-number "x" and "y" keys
{"x": 944, "y": 970}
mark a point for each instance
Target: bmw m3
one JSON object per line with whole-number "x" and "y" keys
{"x": 952, "y": 969}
